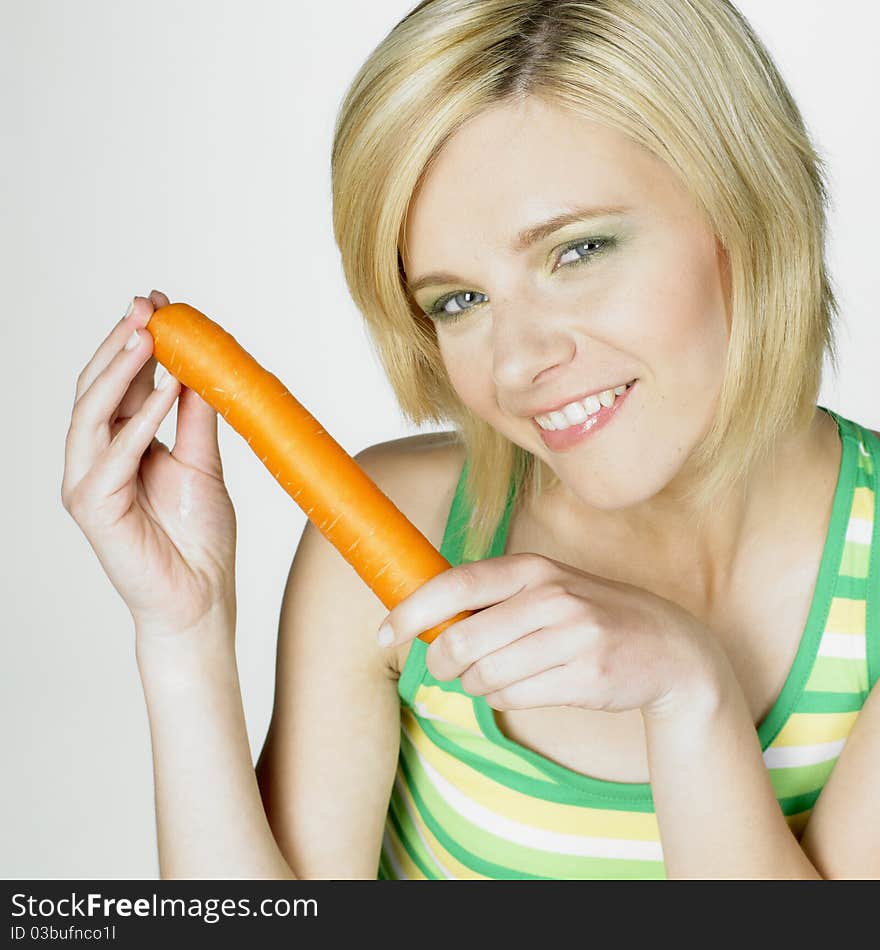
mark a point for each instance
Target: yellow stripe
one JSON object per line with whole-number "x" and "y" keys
{"x": 863, "y": 504}
{"x": 846, "y": 616}
{"x": 407, "y": 865}
{"x": 451, "y": 707}
{"x": 536, "y": 812}
{"x": 450, "y": 863}
{"x": 813, "y": 728}
{"x": 446, "y": 708}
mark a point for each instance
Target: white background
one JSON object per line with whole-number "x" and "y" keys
{"x": 186, "y": 146}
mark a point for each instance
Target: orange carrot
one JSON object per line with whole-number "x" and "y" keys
{"x": 388, "y": 552}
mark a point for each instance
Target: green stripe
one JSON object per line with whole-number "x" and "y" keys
{"x": 822, "y": 702}
{"x": 454, "y": 536}
{"x": 799, "y": 803}
{"x": 790, "y": 781}
{"x": 872, "y": 595}
{"x": 561, "y": 793}
{"x": 438, "y": 829}
{"x": 409, "y": 838}
{"x": 412, "y": 672}
{"x": 480, "y": 754}
{"x": 871, "y": 461}
{"x": 848, "y": 588}
{"x": 636, "y": 795}
{"x": 823, "y": 593}
{"x": 456, "y": 523}
{"x": 834, "y": 674}
{"x": 514, "y": 858}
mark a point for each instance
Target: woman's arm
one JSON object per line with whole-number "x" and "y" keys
{"x": 315, "y": 806}
{"x": 842, "y": 836}
{"x": 327, "y": 768}
{"x": 715, "y": 804}
{"x": 209, "y": 816}
{"x": 330, "y": 756}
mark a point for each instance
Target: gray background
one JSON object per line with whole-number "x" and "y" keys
{"x": 185, "y": 146}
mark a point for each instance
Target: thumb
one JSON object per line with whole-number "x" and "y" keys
{"x": 196, "y": 442}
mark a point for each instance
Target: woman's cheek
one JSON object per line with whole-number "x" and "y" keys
{"x": 466, "y": 376}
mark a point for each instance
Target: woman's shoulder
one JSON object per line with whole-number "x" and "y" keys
{"x": 412, "y": 464}
{"x": 419, "y": 473}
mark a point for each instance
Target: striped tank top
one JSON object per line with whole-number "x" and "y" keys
{"x": 468, "y": 802}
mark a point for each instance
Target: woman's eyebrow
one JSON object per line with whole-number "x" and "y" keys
{"x": 527, "y": 237}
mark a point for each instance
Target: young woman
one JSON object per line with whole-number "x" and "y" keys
{"x": 590, "y": 235}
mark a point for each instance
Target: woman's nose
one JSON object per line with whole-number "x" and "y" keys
{"x": 528, "y": 347}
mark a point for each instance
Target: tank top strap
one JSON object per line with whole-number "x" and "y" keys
{"x": 868, "y": 502}
{"x": 452, "y": 548}
{"x": 455, "y": 535}
{"x": 868, "y": 485}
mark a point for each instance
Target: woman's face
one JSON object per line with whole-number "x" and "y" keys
{"x": 640, "y": 293}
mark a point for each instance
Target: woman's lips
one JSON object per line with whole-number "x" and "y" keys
{"x": 560, "y": 440}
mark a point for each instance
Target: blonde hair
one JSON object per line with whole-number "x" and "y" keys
{"x": 687, "y": 79}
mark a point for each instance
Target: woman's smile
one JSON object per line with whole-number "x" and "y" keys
{"x": 561, "y": 440}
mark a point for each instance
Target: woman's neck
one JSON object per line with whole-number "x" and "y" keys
{"x": 652, "y": 546}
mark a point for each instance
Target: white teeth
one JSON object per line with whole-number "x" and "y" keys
{"x": 577, "y": 412}
{"x": 592, "y": 405}
{"x": 572, "y": 414}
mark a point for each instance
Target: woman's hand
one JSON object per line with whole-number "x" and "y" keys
{"x": 161, "y": 523}
{"x": 547, "y": 634}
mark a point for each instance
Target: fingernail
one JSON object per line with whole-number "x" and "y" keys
{"x": 133, "y": 341}
{"x": 130, "y": 308}
{"x": 163, "y": 379}
{"x": 385, "y": 636}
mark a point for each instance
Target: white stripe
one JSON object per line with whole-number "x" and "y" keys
{"x": 444, "y": 870}
{"x": 862, "y": 449}
{"x": 389, "y": 854}
{"x": 788, "y": 756}
{"x": 843, "y": 646}
{"x": 553, "y": 841}
{"x": 422, "y": 710}
{"x": 859, "y": 531}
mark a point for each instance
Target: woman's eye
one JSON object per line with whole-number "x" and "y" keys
{"x": 594, "y": 245}
{"x": 590, "y": 246}
{"x": 467, "y": 295}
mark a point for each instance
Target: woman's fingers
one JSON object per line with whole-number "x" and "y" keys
{"x": 159, "y": 299}
{"x": 509, "y": 629}
{"x": 93, "y": 412}
{"x": 141, "y": 312}
{"x": 94, "y": 480}
{"x": 118, "y": 464}
{"x": 143, "y": 383}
